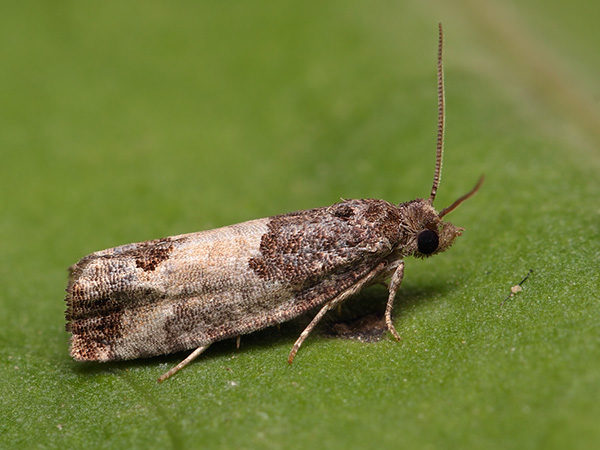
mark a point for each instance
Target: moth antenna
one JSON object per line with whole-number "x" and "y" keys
{"x": 461, "y": 199}
{"x": 441, "y": 118}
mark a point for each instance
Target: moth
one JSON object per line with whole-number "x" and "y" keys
{"x": 186, "y": 292}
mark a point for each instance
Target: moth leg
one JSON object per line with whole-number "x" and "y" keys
{"x": 238, "y": 340}
{"x": 394, "y": 285}
{"x": 182, "y": 364}
{"x": 332, "y": 304}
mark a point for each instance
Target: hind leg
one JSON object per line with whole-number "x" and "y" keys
{"x": 182, "y": 364}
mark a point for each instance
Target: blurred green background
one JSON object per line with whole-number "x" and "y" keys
{"x": 126, "y": 121}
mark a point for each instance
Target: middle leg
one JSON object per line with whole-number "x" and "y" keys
{"x": 394, "y": 285}
{"x": 332, "y": 304}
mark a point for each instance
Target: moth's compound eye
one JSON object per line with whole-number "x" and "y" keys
{"x": 427, "y": 242}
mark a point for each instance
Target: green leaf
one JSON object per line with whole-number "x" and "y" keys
{"x": 126, "y": 121}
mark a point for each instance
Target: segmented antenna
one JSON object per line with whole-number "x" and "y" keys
{"x": 441, "y": 118}
{"x": 461, "y": 199}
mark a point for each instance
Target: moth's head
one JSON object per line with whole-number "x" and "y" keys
{"x": 426, "y": 233}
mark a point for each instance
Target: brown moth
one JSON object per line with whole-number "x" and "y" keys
{"x": 188, "y": 291}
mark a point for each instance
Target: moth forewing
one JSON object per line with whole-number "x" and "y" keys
{"x": 188, "y": 291}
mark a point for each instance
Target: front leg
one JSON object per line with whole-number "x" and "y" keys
{"x": 394, "y": 285}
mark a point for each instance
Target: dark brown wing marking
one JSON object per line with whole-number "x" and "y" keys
{"x": 305, "y": 246}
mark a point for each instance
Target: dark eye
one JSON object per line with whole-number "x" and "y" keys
{"x": 427, "y": 242}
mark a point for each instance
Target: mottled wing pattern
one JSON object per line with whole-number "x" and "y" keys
{"x": 177, "y": 293}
